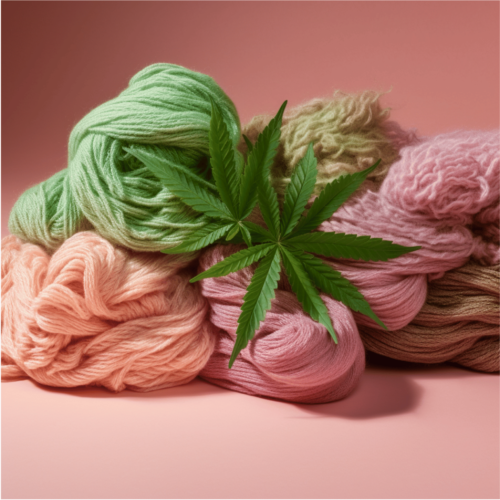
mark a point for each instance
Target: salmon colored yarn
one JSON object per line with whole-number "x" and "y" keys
{"x": 291, "y": 357}
{"x": 95, "y": 314}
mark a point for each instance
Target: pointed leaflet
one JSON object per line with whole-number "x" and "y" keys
{"x": 191, "y": 191}
{"x": 269, "y": 208}
{"x": 235, "y": 262}
{"x": 239, "y": 161}
{"x": 333, "y": 283}
{"x": 223, "y": 161}
{"x": 201, "y": 238}
{"x": 330, "y": 199}
{"x": 349, "y": 246}
{"x": 305, "y": 290}
{"x": 161, "y": 167}
{"x": 248, "y": 143}
{"x": 257, "y": 300}
{"x": 247, "y": 237}
{"x": 299, "y": 191}
{"x": 233, "y": 232}
{"x": 258, "y": 230}
{"x": 259, "y": 161}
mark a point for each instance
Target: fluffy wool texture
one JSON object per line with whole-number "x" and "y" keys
{"x": 165, "y": 112}
{"x": 291, "y": 357}
{"x": 443, "y": 195}
{"x": 459, "y": 322}
{"x": 94, "y": 314}
{"x": 349, "y": 131}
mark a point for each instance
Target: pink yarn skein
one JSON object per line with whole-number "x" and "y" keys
{"x": 291, "y": 357}
{"x": 443, "y": 195}
{"x": 95, "y": 314}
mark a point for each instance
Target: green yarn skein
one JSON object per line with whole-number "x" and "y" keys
{"x": 165, "y": 111}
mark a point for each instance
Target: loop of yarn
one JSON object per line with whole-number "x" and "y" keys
{"x": 459, "y": 322}
{"x": 292, "y": 357}
{"x": 95, "y": 314}
{"x": 349, "y": 131}
{"x": 442, "y": 222}
{"x": 165, "y": 112}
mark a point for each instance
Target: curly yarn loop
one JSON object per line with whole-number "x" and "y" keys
{"x": 95, "y": 314}
{"x": 349, "y": 131}
{"x": 439, "y": 222}
{"x": 166, "y": 112}
{"x": 291, "y": 357}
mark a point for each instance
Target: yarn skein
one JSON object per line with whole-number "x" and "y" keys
{"x": 443, "y": 330}
{"x": 349, "y": 133}
{"x": 96, "y": 314}
{"x": 292, "y": 357}
{"x": 165, "y": 111}
{"x": 459, "y": 322}
{"x": 431, "y": 197}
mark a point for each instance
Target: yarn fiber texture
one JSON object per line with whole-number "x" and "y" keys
{"x": 292, "y": 357}
{"x": 95, "y": 314}
{"x": 165, "y": 112}
{"x": 459, "y": 322}
{"x": 349, "y": 131}
{"x": 443, "y": 195}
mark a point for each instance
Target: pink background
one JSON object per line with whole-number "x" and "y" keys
{"x": 407, "y": 431}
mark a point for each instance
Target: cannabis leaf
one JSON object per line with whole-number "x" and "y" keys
{"x": 286, "y": 241}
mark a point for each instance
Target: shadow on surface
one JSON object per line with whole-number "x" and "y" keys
{"x": 421, "y": 370}
{"x": 195, "y": 388}
{"x": 380, "y": 393}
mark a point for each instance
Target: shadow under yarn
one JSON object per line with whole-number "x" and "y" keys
{"x": 165, "y": 111}
{"x": 380, "y": 393}
{"x": 195, "y": 388}
{"x": 94, "y": 314}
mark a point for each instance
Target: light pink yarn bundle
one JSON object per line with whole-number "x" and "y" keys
{"x": 443, "y": 195}
{"x": 291, "y": 357}
{"x": 95, "y": 314}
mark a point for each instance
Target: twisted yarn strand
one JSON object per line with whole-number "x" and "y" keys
{"x": 165, "y": 111}
{"x": 95, "y": 314}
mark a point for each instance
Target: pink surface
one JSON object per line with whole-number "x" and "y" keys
{"x": 406, "y": 432}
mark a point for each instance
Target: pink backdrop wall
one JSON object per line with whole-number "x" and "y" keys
{"x": 61, "y": 59}
{"x": 408, "y": 431}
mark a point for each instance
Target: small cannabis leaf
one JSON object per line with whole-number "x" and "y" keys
{"x": 287, "y": 241}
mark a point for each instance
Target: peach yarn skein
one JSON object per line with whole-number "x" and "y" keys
{"x": 96, "y": 314}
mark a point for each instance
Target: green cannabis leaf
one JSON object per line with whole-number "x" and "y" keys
{"x": 288, "y": 239}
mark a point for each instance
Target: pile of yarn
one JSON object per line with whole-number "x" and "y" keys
{"x": 165, "y": 111}
{"x": 88, "y": 300}
{"x": 95, "y": 314}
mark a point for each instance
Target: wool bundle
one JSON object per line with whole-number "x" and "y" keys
{"x": 291, "y": 357}
{"x": 349, "y": 131}
{"x": 443, "y": 195}
{"x": 459, "y": 322}
{"x": 95, "y": 314}
{"x": 165, "y": 112}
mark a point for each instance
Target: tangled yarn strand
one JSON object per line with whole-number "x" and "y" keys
{"x": 165, "y": 111}
{"x": 94, "y": 314}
